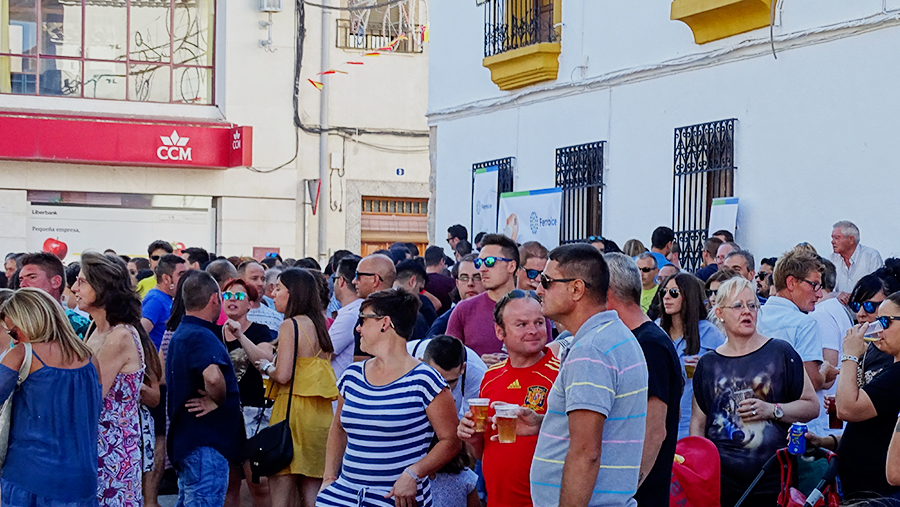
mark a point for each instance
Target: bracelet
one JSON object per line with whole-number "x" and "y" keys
{"x": 848, "y": 357}
{"x": 412, "y": 474}
{"x": 835, "y": 441}
{"x": 266, "y": 366}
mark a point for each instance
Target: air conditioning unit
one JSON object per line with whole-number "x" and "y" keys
{"x": 270, "y": 5}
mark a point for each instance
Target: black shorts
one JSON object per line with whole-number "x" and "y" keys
{"x": 159, "y": 414}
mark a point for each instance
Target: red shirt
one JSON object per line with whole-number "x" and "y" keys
{"x": 507, "y": 467}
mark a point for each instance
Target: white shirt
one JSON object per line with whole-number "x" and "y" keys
{"x": 833, "y": 321}
{"x": 475, "y": 369}
{"x": 341, "y": 333}
{"x": 864, "y": 260}
{"x": 266, "y": 316}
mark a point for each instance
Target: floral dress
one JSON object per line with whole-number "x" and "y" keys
{"x": 119, "y": 451}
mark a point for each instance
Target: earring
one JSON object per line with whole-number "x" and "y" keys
{"x": 384, "y": 330}
{"x": 721, "y": 320}
{"x": 172, "y": 286}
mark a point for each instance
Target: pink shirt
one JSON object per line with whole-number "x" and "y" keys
{"x": 472, "y": 321}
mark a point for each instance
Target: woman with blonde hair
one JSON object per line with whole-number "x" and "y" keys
{"x": 633, "y": 248}
{"x": 124, "y": 352}
{"x": 54, "y": 411}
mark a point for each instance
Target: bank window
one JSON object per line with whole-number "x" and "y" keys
{"x": 137, "y": 50}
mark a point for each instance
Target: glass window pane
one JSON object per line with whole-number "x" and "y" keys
{"x": 149, "y": 83}
{"x": 149, "y": 35}
{"x": 61, "y": 27}
{"x": 104, "y": 80}
{"x": 22, "y": 27}
{"x": 60, "y": 77}
{"x": 22, "y": 75}
{"x": 104, "y": 30}
{"x": 192, "y": 85}
{"x": 193, "y": 32}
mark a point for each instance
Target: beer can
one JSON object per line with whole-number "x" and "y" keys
{"x": 797, "y": 438}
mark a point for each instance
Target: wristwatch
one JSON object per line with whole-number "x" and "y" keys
{"x": 848, "y": 357}
{"x": 779, "y": 412}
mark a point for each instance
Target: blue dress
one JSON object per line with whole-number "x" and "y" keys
{"x": 710, "y": 338}
{"x": 55, "y": 416}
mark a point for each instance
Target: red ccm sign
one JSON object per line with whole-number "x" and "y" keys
{"x": 114, "y": 141}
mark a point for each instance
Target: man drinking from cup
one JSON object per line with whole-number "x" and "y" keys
{"x": 524, "y": 379}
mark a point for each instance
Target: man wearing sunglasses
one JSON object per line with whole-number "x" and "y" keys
{"x": 534, "y": 259}
{"x": 646, "y": 263}
{"x": 798, "y": 282}
{"x": 596, "y": 410}
{"x": 155, "y": 251}
{"x": 374, "y": 273}
{"x": 472, "y": 320}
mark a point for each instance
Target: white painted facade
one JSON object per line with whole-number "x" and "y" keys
{"x": 254, "y": 88}
{"x": 814, "y": 141}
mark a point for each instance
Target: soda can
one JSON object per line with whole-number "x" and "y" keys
{"x": 797, "y": 438}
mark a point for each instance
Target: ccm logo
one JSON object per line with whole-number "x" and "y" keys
{"x": 173, "y": 148}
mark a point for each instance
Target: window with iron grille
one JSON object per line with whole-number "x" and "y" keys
{"x": 378, "y": 36}
{"x": 579, "y": 172}
{"x": 504, "y": 179}
{"x": 704, "y": 170}
{"x": 511, "y": 24}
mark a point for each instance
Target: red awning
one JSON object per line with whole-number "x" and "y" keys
{"x": 124, "y": 141}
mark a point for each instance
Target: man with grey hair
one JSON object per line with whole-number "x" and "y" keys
{"x": 852, "y": 260}
{"x": 664, "y": 383}
{"x": 725, "y": 249}
{"x": 743, "y": 263}
{"x": 272, "y": 275}
{"x": 646, "y": 263}
{"x": 223, "y": 271}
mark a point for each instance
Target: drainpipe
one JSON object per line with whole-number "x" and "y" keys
{"x": 325, "y": 196}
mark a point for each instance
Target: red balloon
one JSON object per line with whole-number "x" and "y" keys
{"x": 56, "y": 247}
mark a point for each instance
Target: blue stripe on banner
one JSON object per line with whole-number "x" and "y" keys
{"x": 554, "y": 190}
{"x": 725, "y": 200}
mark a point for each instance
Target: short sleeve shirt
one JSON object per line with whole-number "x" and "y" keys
{"x": 780, "y": 318}
{"x": 472, "y": 321}
{"x": 506, "y": 466}
{"x": 251, "y": 384}
{"x": 605, "y": 372}
{"x": 156, "y": 307}
{"x": 772, "y": 373}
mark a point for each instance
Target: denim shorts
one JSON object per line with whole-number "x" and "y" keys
{"x": 14, "y": 496}
{"x": 202, "y": 479}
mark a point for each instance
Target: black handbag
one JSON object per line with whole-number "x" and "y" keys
{"x": 272, "y": 449}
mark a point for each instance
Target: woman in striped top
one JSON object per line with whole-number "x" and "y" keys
{"x": 389, "y": 409}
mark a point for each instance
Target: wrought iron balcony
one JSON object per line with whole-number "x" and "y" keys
{"x": 377, "y": 36}
{"x": 512, "y": 24}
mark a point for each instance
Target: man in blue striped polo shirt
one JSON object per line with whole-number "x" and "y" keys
{"x": 590, "y": 442}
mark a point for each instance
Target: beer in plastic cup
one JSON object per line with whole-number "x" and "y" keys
{"x": 689, "y": 368}
{"x": 871, "y": 334}
{"x": 479, "y": 408}
{"x": 506, "y": 423}
{"x": 834, "y": 423}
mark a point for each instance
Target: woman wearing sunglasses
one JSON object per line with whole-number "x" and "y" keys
{"x": 747, "y": 393}
{"x": 867, "y": 294}
{"x": 684, "y": 319}
{"x": 247, "y": 342}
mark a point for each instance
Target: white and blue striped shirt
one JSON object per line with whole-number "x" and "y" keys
{"x": 387, "y": 430}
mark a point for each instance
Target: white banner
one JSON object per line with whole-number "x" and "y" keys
{"x": 532, "y": 216}
{"x": 723, "y": 215}
{"x": 74, "y": 229}
{"x": 484, "y": 200}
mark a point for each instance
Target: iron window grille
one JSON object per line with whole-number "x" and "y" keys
{"x": 512, "y": 24}
{"x": 579, "y": 172}
{"x": 376, "y": 36}
{"x": 504, "y": 181}
{"x": 704, "y": 170}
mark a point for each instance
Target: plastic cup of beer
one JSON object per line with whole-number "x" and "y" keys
{"x": 506, "y": 423}
{"x": 690, "y": 368}
{"x": 480, "y": 408}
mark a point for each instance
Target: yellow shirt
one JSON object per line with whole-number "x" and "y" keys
{"x": 144, "y": 286}
{"x": 647, "y": 297}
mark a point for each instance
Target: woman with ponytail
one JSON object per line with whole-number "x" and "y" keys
{"x": 124, "y": 352}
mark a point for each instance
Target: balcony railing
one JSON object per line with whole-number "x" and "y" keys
{"x": 512, "y": 24}
{"x": 374, "y": 37}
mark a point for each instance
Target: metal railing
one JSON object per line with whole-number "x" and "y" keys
{"x": 511, "y": 24}
{"x": 579, "y": 172}
{"x": 374, "y": 37}
{"x": 704, "y": 170}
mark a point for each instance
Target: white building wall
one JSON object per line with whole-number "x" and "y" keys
{"x": 814, "y": 139}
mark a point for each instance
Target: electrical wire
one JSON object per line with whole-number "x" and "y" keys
{"x": 296, "y": 152}
{"x": 356, "y": 8}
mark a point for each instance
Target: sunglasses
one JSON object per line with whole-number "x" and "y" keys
{"x": 360, "y": 274}
{"x": 154, "y": 257}
{"x": 591, "y": 239}
{"x": 884, "y": 321}
{"x": 12, "y": 332}
{"x": 271, "y": 254}
{"x": 710, "y": 293}
{"x": 515, "y": 294}
{"x": 546, "y": 281}
{"x": 237, "y": 296}
{"x": 465, "y": 278}
{"x": 489, "y": 261}
{"x": 364, "y": 316}
{"x": 868, "y": 306}
{"x": 647, "y": 270}
{"x": 674, "y": 293}
{"x": 532, "y": 273}
{"x": 762, "y": 275}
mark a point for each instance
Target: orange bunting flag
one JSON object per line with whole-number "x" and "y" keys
{"x": 317, "y": 84}
{"x": 373, "y": 54}
{"x": 355, "y": 63}
{"x": 426, "y": 35}
{"x": 332, "y": 71}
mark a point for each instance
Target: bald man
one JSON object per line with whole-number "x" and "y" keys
{"x": 374, "y": 273}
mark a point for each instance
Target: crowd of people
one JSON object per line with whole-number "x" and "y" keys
{"x": 396, "y": 375}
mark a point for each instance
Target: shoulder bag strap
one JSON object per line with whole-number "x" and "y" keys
{"x": 293, "y": 371}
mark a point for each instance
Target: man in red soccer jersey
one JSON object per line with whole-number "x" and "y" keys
{"x": 524, "y": 379}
